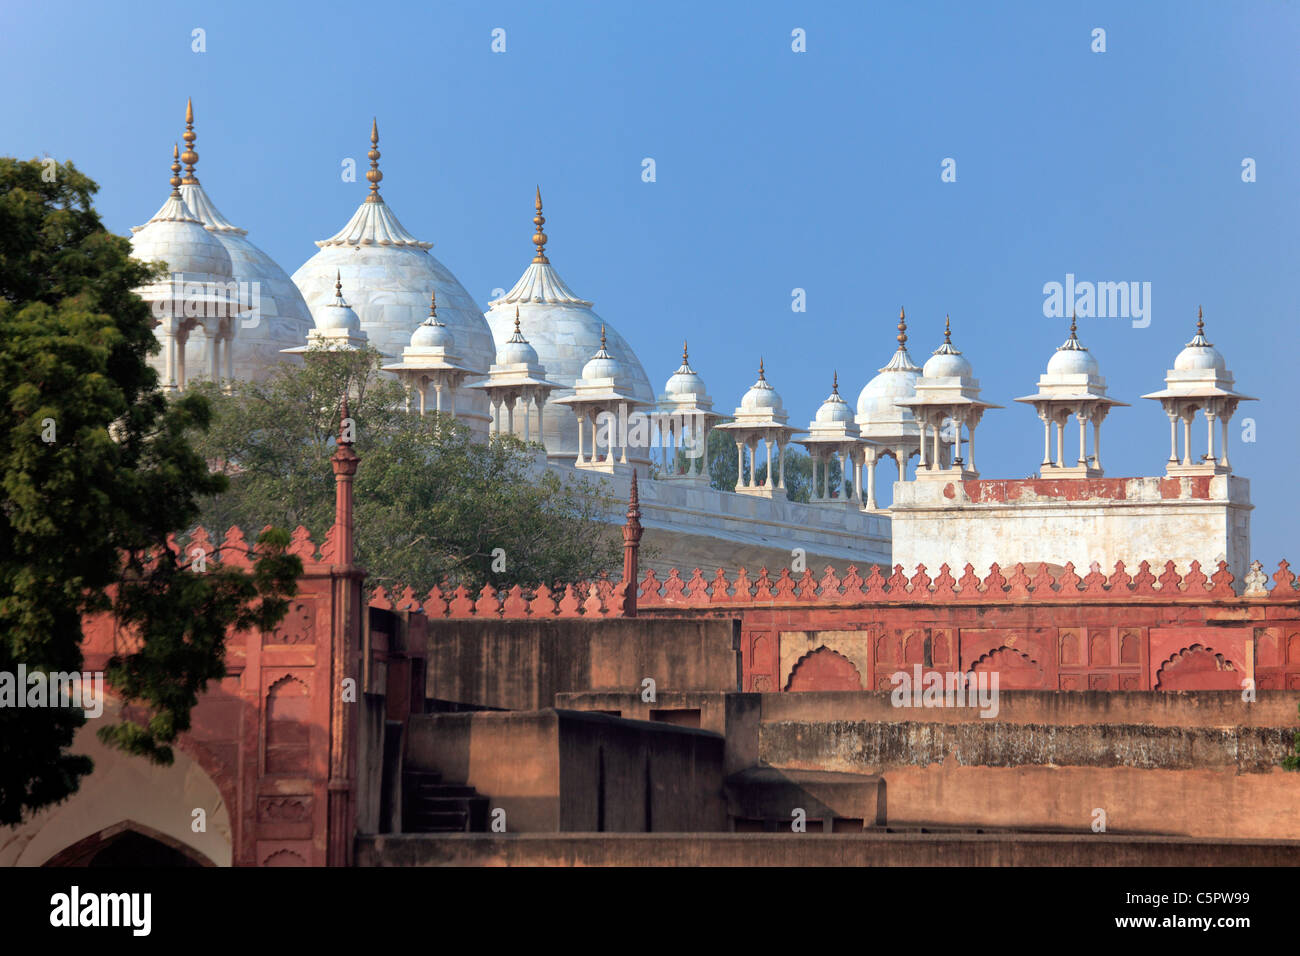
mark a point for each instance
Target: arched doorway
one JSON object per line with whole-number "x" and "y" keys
{"x": 128, "y": 844}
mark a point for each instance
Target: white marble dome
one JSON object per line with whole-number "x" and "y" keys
{"x": 947, "y": 365}
{"x": 835, "y": 409}
{"x": 685, "y": 381}
{"x": 176, "y": 236}
{"x": 565, "y": 332}
{"x": 1073, "y": 362}
{"x": 337, "y": 316}
{"x": 516, "y": 350}
{"x": 433, "y": 335}
{"x": 389, "y": 275}
{"x": 1199, "y": 355}
{"x": 762, "y": 397}
{"x": 604, "y": 365}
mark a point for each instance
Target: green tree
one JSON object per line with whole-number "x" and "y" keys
{"x": 432, "y": 504}
{"x": 96, "y": 470}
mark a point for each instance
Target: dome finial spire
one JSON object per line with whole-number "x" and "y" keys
{"x": 602, "y": 336}
{"x": 373, "y": 175}
{"x": 686, "y": 359}
{"x": 835, "y": 383}
{"x": 189, "y": 157}
{"x": 539, "y": 237}
{"x": 762, "y": 376}
{"x": 1074, "y": 326}
{"x": 1200, "y": 321}
{"x": 947, "y": 330}
{"x": 516, "y": 320}
{"x": 176, "y": 172}
{"x": 338, "y": 287}
{"x": 902, "y": 329}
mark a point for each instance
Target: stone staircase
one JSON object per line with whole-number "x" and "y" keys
{"x": 431, "y": 806}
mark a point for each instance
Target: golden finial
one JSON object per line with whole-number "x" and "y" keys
{"x": 433, "y": 304}
{"x": 338, "y": 287}
{"x": 902, "y": 329}
{"x": 947, "y": 330}
{"x": 602, "y": 337}
{"x": 373, "y": 175}
{"x": 1074, "y": 326}
{"x": 602, "y": 341}
{"x": 176, "y": 172}
{"x": 835, "y": 383}
{"x": 1200, "y": 321}
{"x": 686, "y": 359}
{"x": 189, "y": 157}
{"x": 761, "y": 373}
{"x": 539, "y": 237}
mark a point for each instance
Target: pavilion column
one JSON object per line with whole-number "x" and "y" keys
{"x": 181, "y": 341}
{"x": 1187, "y": 441}
{"x": 541, "y": 404}
{"x": 740, "y": 466}
{"x": 582, "y": 425}
{"x": 1209, "y": 435}
{"x": 1173, "y": 438}
{"x": 769, "y": 483}
{"x": 437, "y": 396}
{"x": 970, "y": 448}
{"x": 920, "y": 463}
{"x": 826, "y": 477}
{"x": 423, "y": 389}
{"x": 1083, "y": 438}
{"x": 528, "y": 417}
{"x": 871, "y": 483}
{"x": 214, "y": 348}
{"x": 857, "y": 477}
{"x": 1096, "y": 442}
{"x": 452, "y": 393}
{"x": 1047, "y": 442}
{"x": 1060, "y": 444}
{"x": 169, "y": 354}
{"x": 937, "y": 429}
{"x": 780, "y": 451}
{"x": 1223, "y": 422}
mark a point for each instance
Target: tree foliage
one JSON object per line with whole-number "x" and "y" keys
{"x": 431, "y": 503}
{"x": 96, "y": 469}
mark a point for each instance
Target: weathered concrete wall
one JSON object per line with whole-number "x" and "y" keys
{"x": 569, "y": 771}
{"x": 1206, "y": 519}
{"x": 1202, "y": 764}
{"x": 522, "y": 665}
{"x": 817, "y": 849}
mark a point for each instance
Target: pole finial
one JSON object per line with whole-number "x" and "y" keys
{"x": 902, "y": 329}
{"x": 338, "y": 286}
{"x": 539, "y": 237}
{"x": 516, "y": 320}
{"x": 189, "y": 157}
{"x": 835, "y": 383}
{"x": 1074, "y": 325}
{"x": 1200, "y": 321}
{"x": 686, "y": 358}
{"x": 373, "y": 175}
{"x": 602, "y": 336}
{"x": 947, "y": 330}
{"x": 176, "y": 172}
{"x": 761, "y": 372}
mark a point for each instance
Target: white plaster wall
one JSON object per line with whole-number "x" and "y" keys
{"x": 931, "y": 529}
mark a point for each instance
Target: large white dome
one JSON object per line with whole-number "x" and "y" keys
{"x": 389, "y": 275}
{"x": 565, "y": 332}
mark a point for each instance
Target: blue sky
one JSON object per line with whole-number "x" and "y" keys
{"x": 775, "y": 170}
